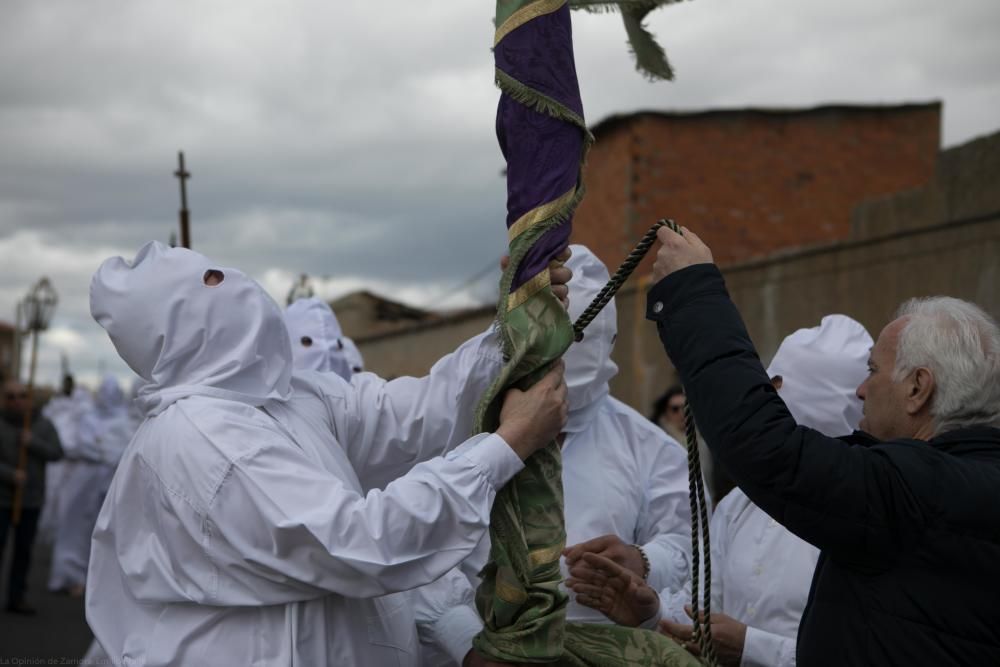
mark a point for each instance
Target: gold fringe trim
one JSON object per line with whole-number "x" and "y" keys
{"x": 537, "y": 214}
{"x": 545, "y": 556}
{"x": 528, "y": 289}
{"x": 525, "y": 14}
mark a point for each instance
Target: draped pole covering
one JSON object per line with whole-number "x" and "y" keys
{"x": 544, "y": 138}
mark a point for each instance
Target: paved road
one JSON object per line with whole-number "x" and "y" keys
{"x": 57, "y": 635}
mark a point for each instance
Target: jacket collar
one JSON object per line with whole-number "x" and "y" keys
{"x": 960, "y": 441}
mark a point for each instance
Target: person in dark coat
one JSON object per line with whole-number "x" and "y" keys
{"x": 42, "y": 447}
{"x": 905, "y": 513}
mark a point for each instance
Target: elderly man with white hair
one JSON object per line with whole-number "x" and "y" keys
{"x": 906, "y": 517}
{"x": 239, "y": 529}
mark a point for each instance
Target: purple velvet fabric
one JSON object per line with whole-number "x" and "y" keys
{"x": 543, "y": 153}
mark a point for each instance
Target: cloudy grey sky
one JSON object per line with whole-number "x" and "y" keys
{"x": 353, "y": 140}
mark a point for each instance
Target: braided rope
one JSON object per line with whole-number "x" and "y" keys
{"x": 699, "y": 526}
{"x": 696, "y": 485}
{"x": 621, "y": 275}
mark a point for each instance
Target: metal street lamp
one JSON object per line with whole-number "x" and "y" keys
{"x": 39, "y": 305}
{"x": 36, "y": 311}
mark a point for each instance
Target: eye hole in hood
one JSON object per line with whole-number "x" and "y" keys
{"x": 213, "y": 278}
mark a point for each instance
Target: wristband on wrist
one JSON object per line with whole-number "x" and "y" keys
{"x": 645, "y": 561}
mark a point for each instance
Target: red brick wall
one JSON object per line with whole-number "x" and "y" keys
{"x": 600, "y": 222}
{"x": 751, "y": 182}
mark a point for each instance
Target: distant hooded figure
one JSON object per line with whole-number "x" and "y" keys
{"x": 102, "y": 434}
{"x": 108, "y": 427}
{"x": 265, "y": 517}
{"x": 318, "y": 344}
{"x": 624, "y": 483}
{"x": 63, "y": 412}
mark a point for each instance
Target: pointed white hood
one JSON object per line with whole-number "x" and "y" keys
{"x": 186, "y": 338}
{"x": 821, "y": 369}
{"x": 318, "y": 344}
{"x": 589, "y": 367}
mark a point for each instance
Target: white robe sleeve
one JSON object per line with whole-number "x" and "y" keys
{"x": 447, "y": 620}
{"x": 663, "y": 529}
{"x": 766, "y": 649}
{"x": 281, "y": 529}
{"x": 387, "y": 427}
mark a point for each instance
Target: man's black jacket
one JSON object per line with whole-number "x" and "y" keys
{"x": 909, "y": 530}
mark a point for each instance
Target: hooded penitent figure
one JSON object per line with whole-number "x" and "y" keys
{"x": 103, "y": 431}
{"x": 62, "y": 411}
{"x": 108, "y": 428}
{"x": 237, "y": 530}
{"x": 622, "y": 475}
{"x": 761, "y": 571}
{"x": 317, "y": 341}
{"x": 65, "y": 413}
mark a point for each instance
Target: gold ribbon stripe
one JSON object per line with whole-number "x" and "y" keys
{"x": 525, "y": 14}
{"x": 528, "y": 289}
{"x": 538, "y": 214}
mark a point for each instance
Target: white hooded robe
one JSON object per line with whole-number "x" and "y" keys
{"x": 236, "y": 531}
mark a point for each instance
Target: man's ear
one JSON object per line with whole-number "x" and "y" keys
{"x": 920, "y": 390}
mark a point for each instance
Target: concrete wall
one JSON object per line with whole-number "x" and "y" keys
{"x": 414, "y": 351}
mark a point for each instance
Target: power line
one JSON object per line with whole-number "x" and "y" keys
{"x": 492, "y": 266}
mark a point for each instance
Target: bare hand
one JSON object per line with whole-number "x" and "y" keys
{"x": 531, "y": 419}
{"x": 728, "y": 637}
{"x": 612, "y": 548}
{"x": 678, "y": 252}
{"x": 559, "y": 275}
{"x": 616, "y": 592}
{"x": 473, "y": 659}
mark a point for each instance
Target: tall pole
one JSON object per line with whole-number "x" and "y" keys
{"x": 15, "y": 358}
{"x": 22, "y": 453}
{"x": 182, "y": 175}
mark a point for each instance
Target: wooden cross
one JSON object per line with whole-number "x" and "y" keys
{"x": 182, "y": 175}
